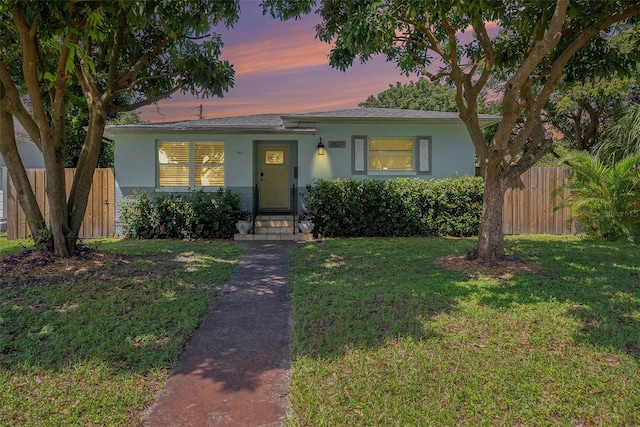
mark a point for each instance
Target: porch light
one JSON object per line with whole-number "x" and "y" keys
{"x": 320, "y": 148}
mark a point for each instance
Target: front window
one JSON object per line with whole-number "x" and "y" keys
{"x": 391, "y": 154}
{"x": 191, "y": 164}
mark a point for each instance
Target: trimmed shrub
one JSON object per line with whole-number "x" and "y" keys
{"x": 398, "y": 207}
{"x": 196, "y": 214}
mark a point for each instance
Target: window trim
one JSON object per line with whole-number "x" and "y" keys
{"x": 191, "y": 165}
{"x": 422, "y": 156}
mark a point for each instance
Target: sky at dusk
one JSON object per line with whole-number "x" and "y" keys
{"x": 280, "y": 68}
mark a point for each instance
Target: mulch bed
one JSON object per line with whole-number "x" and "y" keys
{"x": 504, "y": 269}
{"x": 31, "y": 264}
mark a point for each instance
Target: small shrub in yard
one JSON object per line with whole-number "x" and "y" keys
{"x": 604, "y": 195}
{"x": 398, "y": 207}
{"x": 136, "y": 212}
{"x": 191, "y": 215}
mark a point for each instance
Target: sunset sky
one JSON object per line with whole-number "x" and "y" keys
{"x": 280, "y": 68}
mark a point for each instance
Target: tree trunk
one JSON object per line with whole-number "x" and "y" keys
{"x": 54, "y": 158}
{"x": 83, "y": 179}
{"x": 491, "y": 237}
{"x": 26, "y": 197}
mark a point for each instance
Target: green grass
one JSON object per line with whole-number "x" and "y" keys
{"x": 382, "y": 336}
{"x": 93, "y": 349}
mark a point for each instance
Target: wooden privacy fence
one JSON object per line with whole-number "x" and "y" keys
{"x": 99, "y": 219}
{"x": 528, "y": 207}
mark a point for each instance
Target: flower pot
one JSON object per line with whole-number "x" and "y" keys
{"x": 243, "y": 226}
{"x": 306, "y": 227}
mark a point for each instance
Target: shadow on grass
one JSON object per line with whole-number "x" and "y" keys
{"x": 134, "y": 315}
{"x": 359, "y": 294}
{"x": 599, "y": 281}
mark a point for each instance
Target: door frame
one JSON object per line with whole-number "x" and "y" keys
{"x": 293, "y": 167}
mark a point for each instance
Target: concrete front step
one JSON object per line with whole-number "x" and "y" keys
{"x": 291, "y": 236}
{"x": 274, "y": 223}
{"x": 275, "y": 227}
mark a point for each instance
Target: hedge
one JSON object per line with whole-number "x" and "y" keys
{"x": 196, "y": 214}
{"x": 397, "y": 207}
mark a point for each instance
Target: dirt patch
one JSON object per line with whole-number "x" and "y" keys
{"x": 30, "y": 265}
{"x": 503, "y": 269}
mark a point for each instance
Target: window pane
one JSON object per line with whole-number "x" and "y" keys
{"x": 391, "y": 154}
{"x": 173, "y": 153}
{"x": 274, "y": 157}
{"x": 209, "y": 176}
{"x": 391, "y": 144}
{"x": 385, "y": 163}
{"x": 208, "y": 153}
{"x": 171, "y": 175}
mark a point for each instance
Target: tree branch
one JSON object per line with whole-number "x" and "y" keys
{"x": 144, "y": 102}
{"x": 13, "y": 104}
{"x": 115, "y": 50}
{"x": 27, "y": 36}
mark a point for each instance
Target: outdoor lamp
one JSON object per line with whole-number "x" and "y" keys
{"x": 320, "y": 148}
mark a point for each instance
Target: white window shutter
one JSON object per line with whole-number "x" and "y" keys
{"x": 424, "y": 165}
{"x": 359, "y": 155}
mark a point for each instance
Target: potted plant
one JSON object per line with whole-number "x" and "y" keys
{"x": 305, "y": 222}
{"x": 243, "y": 221}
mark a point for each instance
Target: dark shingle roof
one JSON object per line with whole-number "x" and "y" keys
{"x": 382, "y": 115}
{"x": 296, "y": 123}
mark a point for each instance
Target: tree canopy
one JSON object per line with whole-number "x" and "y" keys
{"x": 144, "y": 51}
{"x": 532, "y": 45}
{"x": 421, "y": 95}
{"x": 597, "y": 89}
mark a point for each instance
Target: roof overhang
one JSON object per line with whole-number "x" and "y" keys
{"x": 132, "y": 129}
{"x": 297, "y": 122}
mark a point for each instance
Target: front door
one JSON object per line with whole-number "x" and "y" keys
{"x": 274, "y": 177}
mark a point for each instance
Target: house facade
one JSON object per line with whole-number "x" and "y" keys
{"x": 269, "y": 159}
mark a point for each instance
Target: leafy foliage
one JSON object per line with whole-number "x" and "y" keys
{"x": 421, "y": 95}
{"x": 191, "y": 215}
{"x": 398, "y": 207}
{"x": 604, "y": 197}
{"x": 122, "y": 55}
{"x": 623, "y": 139}
{"x": 585, "y": 111}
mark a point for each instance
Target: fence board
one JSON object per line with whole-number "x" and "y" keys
{"x": 528, "y": 207}
{"x": 99, "y": 219}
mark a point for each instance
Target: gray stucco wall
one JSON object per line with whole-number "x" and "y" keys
{"x": 30, "y": 155}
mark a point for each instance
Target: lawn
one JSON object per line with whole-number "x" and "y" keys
{"x": 383, "y": 336}
{"x": 92, "y": 348}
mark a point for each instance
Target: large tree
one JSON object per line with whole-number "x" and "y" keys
{"x": 532, "y": 46}
{"x": 146, "y": 50}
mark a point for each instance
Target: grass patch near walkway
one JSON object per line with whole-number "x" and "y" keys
{"x": 384, "y": 337}
{"x": 92, "y": 349}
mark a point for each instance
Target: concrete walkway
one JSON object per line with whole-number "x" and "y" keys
{"x": 236, "y": 368}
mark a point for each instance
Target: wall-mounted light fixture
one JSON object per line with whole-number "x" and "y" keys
{"x": 320, "y": 148}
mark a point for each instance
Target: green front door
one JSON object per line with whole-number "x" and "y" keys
{"x": 274, "y": 177}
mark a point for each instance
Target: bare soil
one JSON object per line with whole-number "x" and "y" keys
{"x": 503, "y": 269}
{"x": 32, "y": 264}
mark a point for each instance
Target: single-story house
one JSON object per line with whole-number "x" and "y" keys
{"x": 270, "y": 158}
